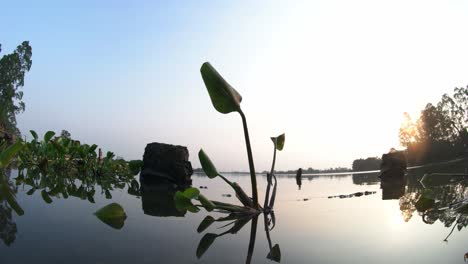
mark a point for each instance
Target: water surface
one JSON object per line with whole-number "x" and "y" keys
{"x": 381, "y": 227}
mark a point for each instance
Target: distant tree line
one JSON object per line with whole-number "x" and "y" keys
{"x": 440, "y": 133}
{"x": 372, "y": 163}
{"x": 312, "y": 170}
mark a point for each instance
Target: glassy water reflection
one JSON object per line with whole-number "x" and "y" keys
{"x": 331, "y": 219}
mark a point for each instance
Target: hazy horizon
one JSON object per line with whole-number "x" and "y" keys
{"x": 335, "y": 76}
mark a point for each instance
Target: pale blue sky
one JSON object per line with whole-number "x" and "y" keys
{"x": 336, "y": 76}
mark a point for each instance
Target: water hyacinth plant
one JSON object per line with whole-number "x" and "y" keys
{"x": 225, "y": 100}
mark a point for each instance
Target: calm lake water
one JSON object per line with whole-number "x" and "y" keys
{"x": 381, "y": 227}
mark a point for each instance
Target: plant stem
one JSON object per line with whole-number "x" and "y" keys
{"x": 267, "y": 194}
{"x": 253, "y": 177}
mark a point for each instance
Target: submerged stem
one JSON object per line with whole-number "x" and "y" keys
{"x": 253, "y": 177}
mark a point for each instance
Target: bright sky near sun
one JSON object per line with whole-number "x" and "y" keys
{"x": 335, "y": 76}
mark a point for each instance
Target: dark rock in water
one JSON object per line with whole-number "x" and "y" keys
{"x": 358, "y": 194}
{"x": 226, "y": 195}
{"x": 166, "y": 163}
{"x": 393, "y": 160}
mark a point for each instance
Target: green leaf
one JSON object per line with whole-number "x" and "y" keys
{"x": 46, "y": 197}
{"x": 207, "y": 165}
{"x": 48, "y": 135}
{"x": 183, "y": 203}
{"x": 207, "y": 204}
{"x": 92, "y": 148}
{"x": 112, "y": 215}
{"x": 224, "y": 97}
{"x": 34, "y": 134}
{"x": 279, "y": 141}
{"x": 205, "y": 243}
{"x": 7, "y": 155}
{"x": 207, "y": 221}
{"x": 191, "y": 193}
{"x": 275, "y": 254}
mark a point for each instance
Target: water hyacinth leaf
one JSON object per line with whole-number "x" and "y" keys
{"x": 275, "y": 254}
{"x": 224, "y": 97}
{"x": 48, "y": 136}
{"x": 191, "y": 193}
{"x": 8, "y": 154}
{"x": 207, "y": 221}
{"x": 92, "y": 148}
{"x": 207, "y": 204}
{"x": 279, "y": 141}
{"x": 205, "y": 243}
{"x": 34, "y": 134}
{"x": 183, "y": 203}
{"x": 112, "y": 215}
{"x": 46, "y": 197}
{"x": 207, "y": 165}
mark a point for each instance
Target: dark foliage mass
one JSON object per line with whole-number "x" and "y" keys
{"x": 440, "y": 132}
{"x": 13, "y": 68}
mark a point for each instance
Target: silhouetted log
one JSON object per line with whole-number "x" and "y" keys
{"x": 166, "y": 163}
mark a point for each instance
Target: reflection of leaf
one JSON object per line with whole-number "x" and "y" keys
{"x": 8, "y": 195}
{"x": 113, "y": 215}
{"x": 207, "y": 204}
{"x": 275, "y": 254}
{"x": 239, "y": 224}
{"x": 207, "y": 165}
{"x": 46, "y": 197}
{"x": 90, "y": 196}
{"x": 205, "y": 243}
{"x": 224, "y": 97}
{"x": 279, "y": 141}
{"x": 108, "y": 194}
{"x": 30, "y": 192}
{"x": 207, "y": 221}
{"x": 423, "y": 204}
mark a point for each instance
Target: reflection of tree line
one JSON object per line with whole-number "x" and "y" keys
{"x": 436, "y": 196}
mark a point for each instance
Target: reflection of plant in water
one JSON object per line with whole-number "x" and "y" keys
{"x": 407, "y": 205}
{"x": 7, "y": 225}
{"x": 61, "y": 167}
{"x": 226, "y": 99}
{"x": 7, "y": 194}
{"x": 442, "y": 200}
